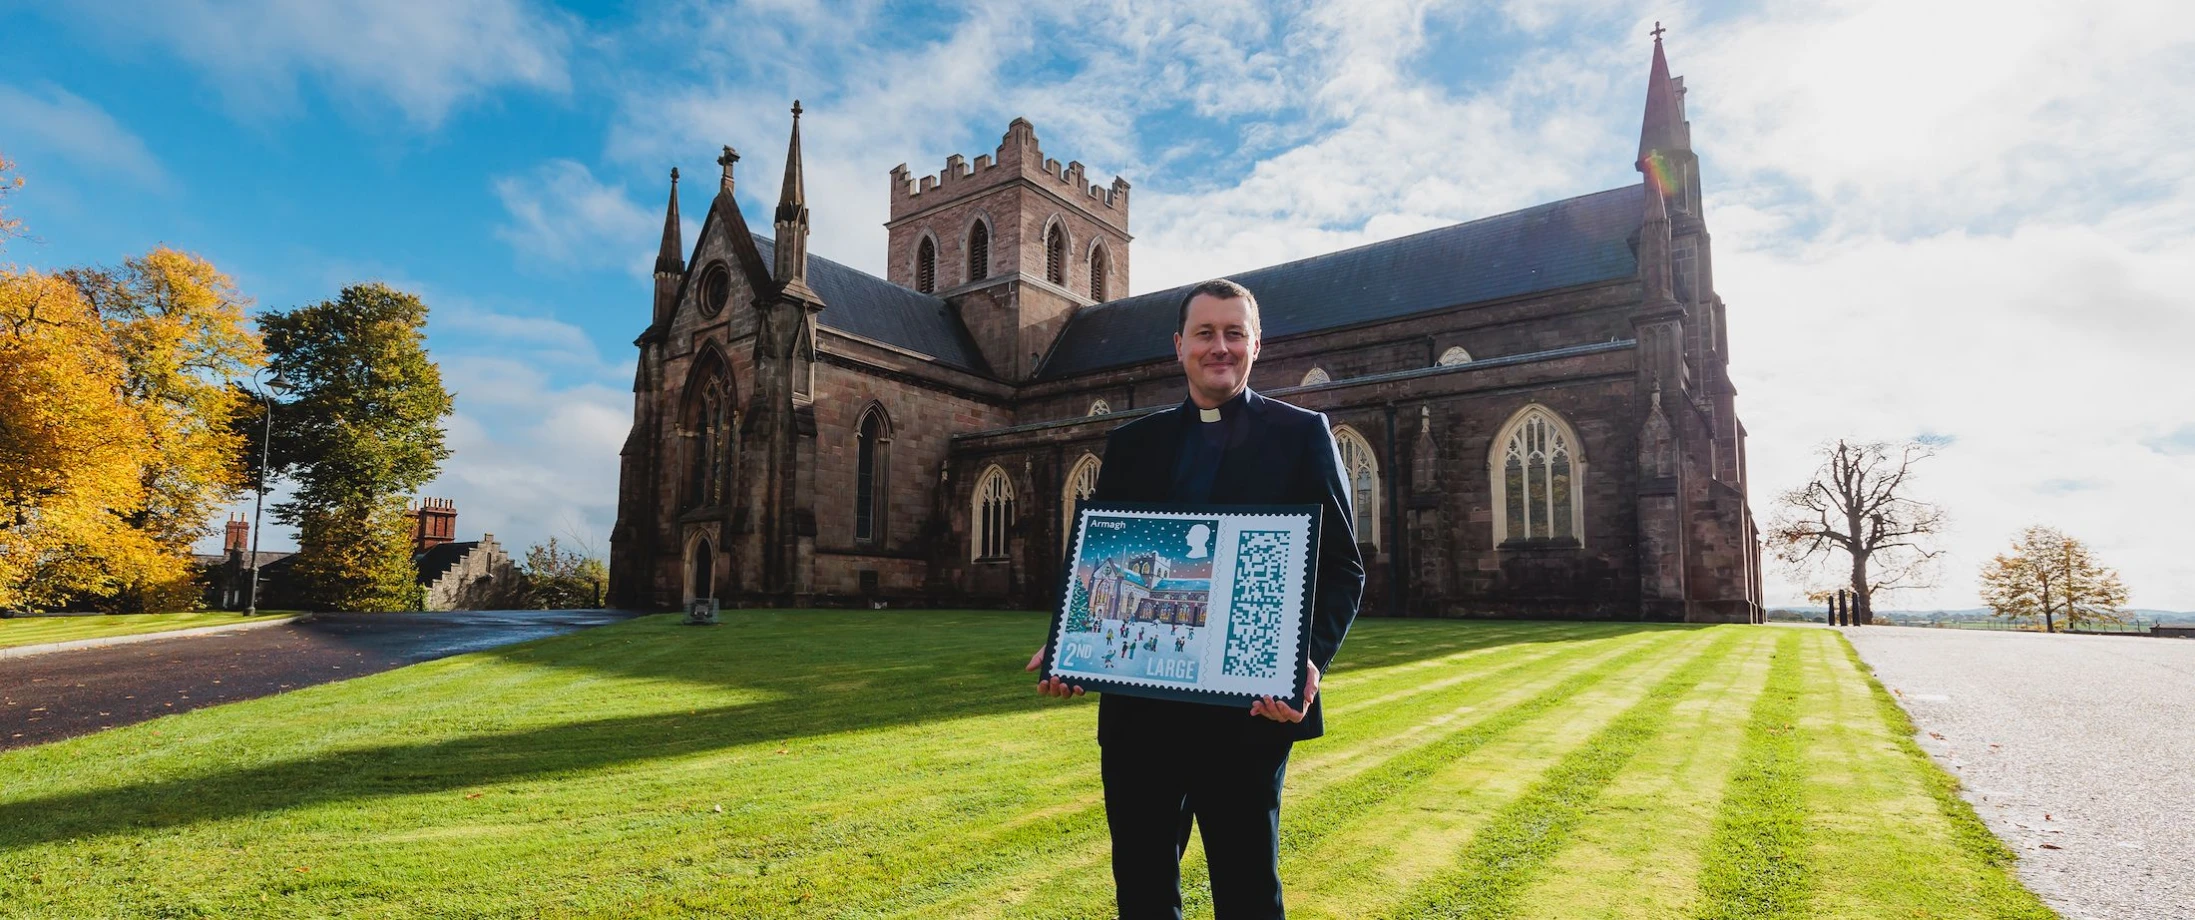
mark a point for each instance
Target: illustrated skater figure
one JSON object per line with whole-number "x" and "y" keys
{"x": 1225, "y": 444}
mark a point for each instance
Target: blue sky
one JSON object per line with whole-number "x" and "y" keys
{"x": 1984, "y": 213}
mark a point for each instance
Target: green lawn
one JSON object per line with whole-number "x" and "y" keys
{"x": 898, "y": 765}
{"x": 41, "y": 630}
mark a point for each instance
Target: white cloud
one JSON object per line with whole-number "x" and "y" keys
{"x": 69, "y": 128}
{"x": 560, "y": 216}
{"x": 425, "y": 57}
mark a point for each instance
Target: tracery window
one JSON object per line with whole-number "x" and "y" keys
{"x": 1536, "y": 472}
{"x": 871, "y": 491}
{"x": 993, "y": 514}
{"x": 979, "y": 251}
{"x": 926, "y": 266}
{"x": 1360, "y": 469}
{"x": 1099, "y": 407}
{"x": 1097, "y": 273}
{"x": 1316, "y": 375}
{"x": 708, "y": 430}
{"x": 1055, "y": 255}
{"x": 1081, "y": 484}
{"x": 1453, "y": 356}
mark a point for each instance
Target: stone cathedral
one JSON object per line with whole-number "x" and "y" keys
{"x": 1533, "y": 409}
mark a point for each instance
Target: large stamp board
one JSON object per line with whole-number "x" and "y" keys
{"x": 1205, "y": 603}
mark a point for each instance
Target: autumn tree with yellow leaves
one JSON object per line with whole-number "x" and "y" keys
{"x": 73, "y": 453}
{"x": 2051, "y": 576}
{"x": 178, "y": 326}
{"x": 117, "y": 434}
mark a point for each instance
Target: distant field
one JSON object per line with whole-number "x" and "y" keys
{"x": 880, "y": 765}
{"x": 41, "y": 630}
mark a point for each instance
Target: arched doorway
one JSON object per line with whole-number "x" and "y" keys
{"x": 703, "y": 569}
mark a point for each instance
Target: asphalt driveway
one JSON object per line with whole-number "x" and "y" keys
{"x": 58, "y": 695}
{"x": 2079, "y": 751}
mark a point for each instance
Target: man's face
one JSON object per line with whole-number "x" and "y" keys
{"x": 1216, "y": 346}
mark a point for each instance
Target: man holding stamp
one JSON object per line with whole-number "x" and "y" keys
{"x": 1224, "y": 445}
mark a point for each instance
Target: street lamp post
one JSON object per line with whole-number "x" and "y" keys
{"x": 264, "y": 390}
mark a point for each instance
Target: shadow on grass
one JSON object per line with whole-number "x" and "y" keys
{"x": 822, "y": 673}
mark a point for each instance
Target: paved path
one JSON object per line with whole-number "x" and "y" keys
{"x": 54, "y": 696}
{"x": 2079, "y": 751}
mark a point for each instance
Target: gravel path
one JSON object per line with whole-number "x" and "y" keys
{"x": 63, "y": 694}
{"x": 2079, "y": 751}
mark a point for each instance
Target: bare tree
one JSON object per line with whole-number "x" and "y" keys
{"x": 1859, "y": 502}
{"x": 2051, "y": 575}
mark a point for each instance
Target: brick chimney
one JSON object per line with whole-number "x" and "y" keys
{"x": 437, "y": 523}
{"x": 236, "y": 538}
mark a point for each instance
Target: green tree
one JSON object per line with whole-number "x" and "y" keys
{"x": 2052, "y": 577}
{"x": 360, "y": 430}
{"x": 561, "y": 578}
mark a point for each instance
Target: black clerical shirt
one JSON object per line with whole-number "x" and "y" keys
{"x": 1197, "y": 465}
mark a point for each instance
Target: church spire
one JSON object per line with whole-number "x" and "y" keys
{"x": 670, "y": 259}
{"x": 792, "y": 216}
{"x": 1654, "y": 268}
{"x": 1662, "y": 128}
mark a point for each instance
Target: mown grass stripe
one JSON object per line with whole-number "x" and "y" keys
{"x": 1647, "y": 833}
{"x": 1997, "y": 887}
{"x": 1755, "y": 867}
{"x": 1510, "y": 849}
{"x": 1313, "y": 820}
{"x": 1087, "y": 828}
{"x": 1365, "y": 869}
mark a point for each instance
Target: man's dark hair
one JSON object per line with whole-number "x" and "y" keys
{"x": 1224, "y": 290}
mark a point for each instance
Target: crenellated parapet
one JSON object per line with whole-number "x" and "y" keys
{"x": 1018, "y": 156}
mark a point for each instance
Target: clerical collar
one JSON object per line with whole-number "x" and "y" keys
{"x": 1220, "y": 411}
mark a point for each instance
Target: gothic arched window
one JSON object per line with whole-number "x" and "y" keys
{"x": 1081, "y": 484}
{"x": 1316, "y": 375}
{"x": 926, "y": 266}
{"x": 708, "y": 449}
{"x": 1537, "y": 469}
{"x": 1360, "y": 469}
{"x": 1453, "y": 356}
{"x": 993, "y": 513}
{"x": 979, "y": 251}
{"x": 1055, "y": 255}
{"x": 1099, "y": 407}
{"x": 1097, "y": 273}
{"x": 871, "y": 492}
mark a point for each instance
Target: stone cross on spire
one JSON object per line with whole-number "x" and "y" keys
{"x": 791, "y": 252}
{"x": 730, "y": 156}
{"x": 1658, "y": 30}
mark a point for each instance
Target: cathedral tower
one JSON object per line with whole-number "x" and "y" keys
{"x": 1014, "y": 240}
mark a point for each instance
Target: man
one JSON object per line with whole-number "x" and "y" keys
{"x": 1166, "y": 763}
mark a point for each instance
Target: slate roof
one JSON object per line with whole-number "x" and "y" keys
{"x": 440, "y": 559}
{"x": 1561, "y": 244}
{"x": 868, "y": 306}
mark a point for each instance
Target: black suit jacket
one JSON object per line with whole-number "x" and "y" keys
{"x": 1282, "y": 456}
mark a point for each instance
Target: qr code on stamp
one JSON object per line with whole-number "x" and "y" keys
{"x": 1259, "y": 602}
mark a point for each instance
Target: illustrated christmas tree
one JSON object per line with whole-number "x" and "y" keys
{"x": 1078, "y": 611}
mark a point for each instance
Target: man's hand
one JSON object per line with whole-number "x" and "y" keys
{"x": 1053, "y": 686}
{"x": 1279, "y": 710}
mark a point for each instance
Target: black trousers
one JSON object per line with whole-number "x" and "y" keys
{"x": 1231, "y": 791}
